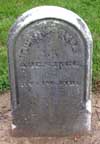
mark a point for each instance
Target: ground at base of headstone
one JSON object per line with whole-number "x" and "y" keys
{"x": 5, "y": 123}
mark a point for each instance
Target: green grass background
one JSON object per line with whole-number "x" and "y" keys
{"x": 89, "y": 10}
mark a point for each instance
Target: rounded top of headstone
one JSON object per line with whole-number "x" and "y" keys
{"x": 52, "y": 12}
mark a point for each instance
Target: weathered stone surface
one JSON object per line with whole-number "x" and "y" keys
{"x": 50, "y": 72}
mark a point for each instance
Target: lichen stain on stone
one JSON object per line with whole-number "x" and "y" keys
{"x": 81, "y": 24}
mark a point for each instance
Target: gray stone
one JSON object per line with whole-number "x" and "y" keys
{"x": 49, "y": 50}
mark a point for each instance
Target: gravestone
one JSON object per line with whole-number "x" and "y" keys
{"x": 49, "y": 52}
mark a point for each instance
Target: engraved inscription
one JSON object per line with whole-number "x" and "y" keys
{"x": 53, "y": 64}
{"x": 50, "y": 62}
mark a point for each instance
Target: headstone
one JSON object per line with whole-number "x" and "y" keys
{"x": 50, "y": 50}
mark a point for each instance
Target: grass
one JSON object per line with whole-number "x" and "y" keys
{"x": 4, "y": 84}
{"x": 89, "y": 10}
